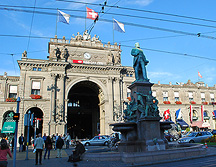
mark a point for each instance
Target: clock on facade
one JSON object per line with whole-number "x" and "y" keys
{"x": 87, "y": 56}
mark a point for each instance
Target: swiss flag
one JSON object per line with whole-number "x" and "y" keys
{"x": 91, "y": 14}
{"x": 166, "y": 114}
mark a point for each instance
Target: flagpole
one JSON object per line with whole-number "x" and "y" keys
{"x": 85, "y": 16}
{"x": 113, "y": 31}
{"x": 56, "y": 22}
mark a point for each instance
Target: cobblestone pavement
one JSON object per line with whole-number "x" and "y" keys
{"x": 62, "y": 162}
{"x": 59, "y": 162}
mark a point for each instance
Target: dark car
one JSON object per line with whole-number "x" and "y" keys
{"x": 169, "y": 137}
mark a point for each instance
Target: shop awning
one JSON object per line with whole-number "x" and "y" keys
{"x": 182, "y": 123}
{"x": 8, "y": 127}
{"x": 200, "y": 124}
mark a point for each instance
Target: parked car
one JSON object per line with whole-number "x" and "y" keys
{"x": 214, "y": 132}
{"x": 185, "y": 134}
{"x": 97, "y": 140}
{"x": 195, "y": 137}
{"x": 169, "y": 137}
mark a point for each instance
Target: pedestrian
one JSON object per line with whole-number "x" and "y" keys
{"x": 56, "y": 138}
{"x": 59, "y": 145}
{"x": 44, "y": 137}
{"x": 21, "y": 142}
{"x": 12, "y": 144}
{"x": 48, "y": 146}
{"x": 4, "y": 150}
{"x": 68, "y": 139}
{"x": 38, "y": 144}
{"x": 79, "y": 150}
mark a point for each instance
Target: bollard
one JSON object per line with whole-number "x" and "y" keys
{"x": 206, "y": 146}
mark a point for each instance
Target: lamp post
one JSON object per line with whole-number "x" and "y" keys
{"x": 15, "y": 137}
{"x": 28, "y": 123}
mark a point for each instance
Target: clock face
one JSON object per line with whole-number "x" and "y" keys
{"x": 87, "y": 56}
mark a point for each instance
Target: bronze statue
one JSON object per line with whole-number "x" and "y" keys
{"x": 139, "y": 63}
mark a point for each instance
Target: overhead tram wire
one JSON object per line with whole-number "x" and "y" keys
{"x": 154, "y": 50}
{"x": 137, "y": 25}
{"x": 176, "y": 53}
{"x": 171, "y": 36}
{"x": 141, "y": 10}
{"x": 124, "y": 15}
{"x": 31, "y": 25}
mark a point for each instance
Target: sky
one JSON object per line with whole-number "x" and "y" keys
{"x": 166, "y": 30}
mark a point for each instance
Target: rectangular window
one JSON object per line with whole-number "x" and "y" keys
{"x": 35, "y": 88}
{"x": 190, "y": 94}
{"x": 176, "y": 94}
{"x": 39, "y": 69}
{"x": 165, "y": 96}
{"x": 128, "y": 92}
{"x": 34, "y": 69}
{"x": 212, "y": 97}
{"x": 203, "y": 97}
{"x": 13, "y": 92}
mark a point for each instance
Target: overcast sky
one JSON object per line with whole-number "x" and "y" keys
{"x": 165, "y": 29}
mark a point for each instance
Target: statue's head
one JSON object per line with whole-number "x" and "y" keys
{"x": 137, "y": 45}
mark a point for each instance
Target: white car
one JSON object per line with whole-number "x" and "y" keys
{"x": 97, "y": 140}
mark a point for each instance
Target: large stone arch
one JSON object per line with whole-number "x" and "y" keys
{"x": 102, "y": 102}
{"x": 96, "y": 81}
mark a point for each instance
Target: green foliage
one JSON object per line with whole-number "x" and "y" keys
{"x": 210, "y": 139}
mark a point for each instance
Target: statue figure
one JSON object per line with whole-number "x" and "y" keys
{"x": 139, "y": 63}
{"x": 78, "y": 37}
{"x": 86, "y": 36}
{"x": 95, "y": 38}
{"x": 130, "y": 111}
{"x": 57, "y": 53}
{"x": 110, "y": 58}
{"x": 24, "y": 54}
{"x": 65, "y": 54}
{"x": 118, "y": 58}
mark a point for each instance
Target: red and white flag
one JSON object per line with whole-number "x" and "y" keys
{"x": 166, "y": 114}
{"x": 199, "y": 74}
{"x": 91, "y": 14}
{"x": 191, "y": 114}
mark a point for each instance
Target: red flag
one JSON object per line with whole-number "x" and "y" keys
{"x": 91, "y": 14}
{"x": 202, "y": 112}
{"x": 166, "y": 114}
{"x": 199, "y": 74}
{"x": 191, "y": 114}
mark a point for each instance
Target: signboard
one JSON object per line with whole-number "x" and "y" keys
{"x": 78, "y": 61}
{"x": 8, "y": 127}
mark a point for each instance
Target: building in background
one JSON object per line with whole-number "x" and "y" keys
{"x": 81, "y": 88}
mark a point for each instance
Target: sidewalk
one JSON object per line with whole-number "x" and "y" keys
{"x": 57, "y": 162}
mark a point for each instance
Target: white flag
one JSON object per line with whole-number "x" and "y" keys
{"x": 63, "y": 17}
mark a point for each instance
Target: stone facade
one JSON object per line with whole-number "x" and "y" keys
{"x": 82, "y": 64}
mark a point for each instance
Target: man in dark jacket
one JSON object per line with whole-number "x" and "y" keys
{"x": 59, "y": 145}
{"x": 21, "y": 142}
{"x": 79, "y": 150}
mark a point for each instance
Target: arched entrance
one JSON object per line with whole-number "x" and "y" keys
{"x": 83, "y": 110}
{"x": 38, "y": 123}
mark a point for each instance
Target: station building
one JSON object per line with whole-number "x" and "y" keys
{"x": 81, "y": 88}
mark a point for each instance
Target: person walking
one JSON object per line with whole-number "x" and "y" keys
{"x": 38, "y": 144}
{"x": 48, "y": 146}
{"x": 12, "y": 144}
{"x": 59, "y": 145}
{"x": 21, "y": 142}
{"x": 4, "y": 150}
{"x": 68, "y": 139}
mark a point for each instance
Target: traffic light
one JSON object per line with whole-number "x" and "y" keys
{"x": 16, "y": 116}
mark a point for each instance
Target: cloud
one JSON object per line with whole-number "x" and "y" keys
{"x": 142, "y": 2}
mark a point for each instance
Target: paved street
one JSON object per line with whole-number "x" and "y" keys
{"x": 208, "y": 161}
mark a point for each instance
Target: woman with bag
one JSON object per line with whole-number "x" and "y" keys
{"x": 48, "y": 146}
{"x": 4, "y": 150}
